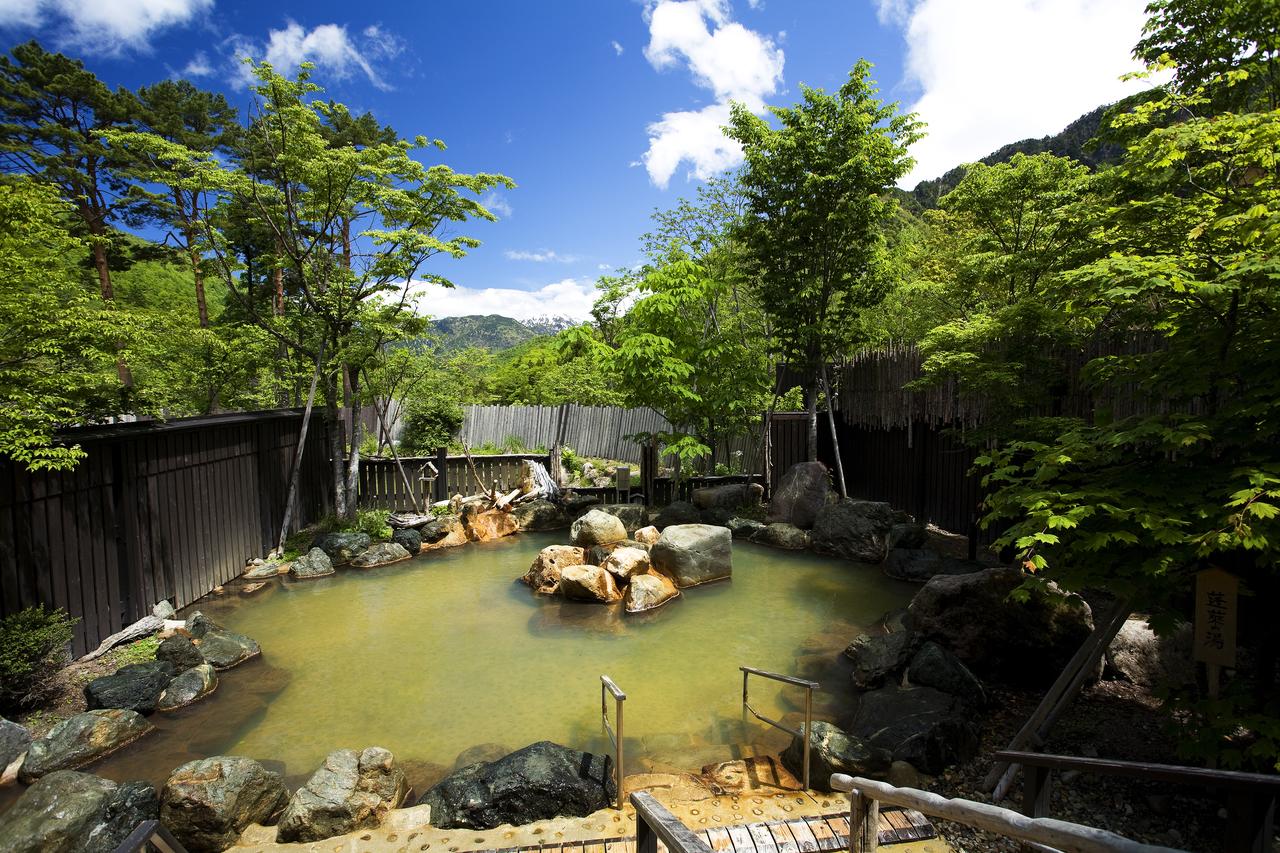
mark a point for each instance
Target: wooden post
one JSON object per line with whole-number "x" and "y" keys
{"x": 864, "y": 823}
{"x": 442, "y": 474}
{"x": 646, "y": 838}
{"x": 1036, "y": 788}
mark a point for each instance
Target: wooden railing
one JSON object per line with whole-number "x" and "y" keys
{"x": 654, "y": 823}
{"x": 866, "y": 795}
{"x": 148, "y": 836}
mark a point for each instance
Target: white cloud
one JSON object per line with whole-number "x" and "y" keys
{"x": 1022, "y": 68}
{"x": 199, "y": 66}
{"x": 328, "y": 46}
{"x": 617, "y": 47}
{"x": 105, "y": 27}
{"x": 496, "y": 202}
{"x": 541, "y": 256}
{"x": 733, "y": 62}
{"x": 569, "y": 297}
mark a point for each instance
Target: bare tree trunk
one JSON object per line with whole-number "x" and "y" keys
{"x": 109, "y": 297}
{"x": 353, "y": 460}
{"x": 811, "y": 404}
{"x": 835, "y": 441}
{"x": 296, "y": 473}
{"x": 336, "y": 450}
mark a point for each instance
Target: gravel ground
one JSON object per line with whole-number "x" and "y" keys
{"x": 1113, "y": 720}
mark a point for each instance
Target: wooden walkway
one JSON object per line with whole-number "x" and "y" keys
{"x": 797, "y": 835}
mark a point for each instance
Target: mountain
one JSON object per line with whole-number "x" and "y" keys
{"x": 491, "y": 332}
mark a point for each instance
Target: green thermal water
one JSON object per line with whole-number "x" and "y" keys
{"x": 435, "y": 655}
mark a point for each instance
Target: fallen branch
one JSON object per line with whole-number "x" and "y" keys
{"x": 506, "y": 499}
{"x": 144, "y": 627}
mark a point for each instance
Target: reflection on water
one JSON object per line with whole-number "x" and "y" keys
{"x": 430, "y": 657}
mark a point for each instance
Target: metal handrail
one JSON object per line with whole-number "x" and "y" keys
{"x": 606, "y": 684}
{"x": 150, "y": 834}
{"x": 809, "y": 686}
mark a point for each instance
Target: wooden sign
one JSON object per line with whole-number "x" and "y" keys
{"x": 1217, "y": 600}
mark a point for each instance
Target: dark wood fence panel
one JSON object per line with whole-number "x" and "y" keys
{"x": 382, "y": 487}
{"x": 155, "y": 511}
{"x": 788, "y": 443}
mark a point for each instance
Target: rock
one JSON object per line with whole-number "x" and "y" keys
{"x": 265, "y": 570}
{"x": 163, "y": 610}
{"x": 731, "y": 496}
{"x": 632, "y": 516}
{"x": 218, "y": 646}
{"x": 744, "y": 528}
{"x": 576, "y": 504}
{"x": 313, "y": 564}
{"x": 135, "y": 687}
{"x": 677, "y": 512}
{"x": 597, "y": 528}
{"x": 918, "y": 565}
{"x": 544, "y": 574}
{"x": 751, "y": 776}
{"x": 647, "y": 535}
{"x": 782, "y": 535}
{"x": 72, "y": 812}
{"x": 541, "y": 781}
{"x": 876, "y": 657}
{"x": 801, "y": 492}
{"x": 540, "y": 515}
{"x": 195, "y": 683}
{"x": 1139, "y": 655}
{"x": 481, "y": 753}
{"x": 408, "y": 539}
{"x": 906, "y": 535}
{"x": 692, "y": 554}
{"x": 896, "y": 620}
{"x": 929, "y": 729}
{"x": 854, "y": 530}
{"x": 14, "y": 740}
{"x": 588, "y": 583}
{"x": 80, "y": 739}
{"x": 717, "y": 516}
{"x": 485, "y": 524}
{"x": 342, "y": 546}
{"x": 623, "y": 563}
{"x": 597, "y": 554}
{"x": 381, "y": 554}
{"x": 933, "y": 666}
{"x": 206, "y": 804}
{"x": 444, "y": 531}
{"x": 649, "y": 591}
{"x": 832, "y": 750}
{"x": 349, "y": 792}
{"x": 180, "y": 652}
{"x": 903, "y": 775}
{"x": 1025, "y": 644}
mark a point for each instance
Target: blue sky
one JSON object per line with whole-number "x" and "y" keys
{"x": 602, "y": 110}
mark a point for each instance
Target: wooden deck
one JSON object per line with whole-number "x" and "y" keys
{"x": 797, "y": 835}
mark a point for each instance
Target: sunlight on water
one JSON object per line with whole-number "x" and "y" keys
{"x": 433, "y": 656}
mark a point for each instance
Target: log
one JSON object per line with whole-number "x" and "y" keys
{"x": 144, "y": 627}
{"x": 502, "y": 502}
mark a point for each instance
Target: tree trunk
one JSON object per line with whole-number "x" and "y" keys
{"x": 336, "y": 455}
{"x": 296, "y": 473}
{"x": 811, "y": 404}
{"x": 353, "y": 461}
{"x": 109, "y": 297}
{"x": 835, "y": 441}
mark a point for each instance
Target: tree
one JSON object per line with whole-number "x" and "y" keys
{"x": 817, "y": 194}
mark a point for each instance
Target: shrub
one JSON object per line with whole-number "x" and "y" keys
{"x": 33, "y": 648}
{"x": 429, "y": 424}
{"x": 374, "y": 523}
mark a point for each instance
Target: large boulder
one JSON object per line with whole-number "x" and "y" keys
{"x": 906, "y": 534}
{"x": 445, "y": 532}
{"x": 589, "y": 583}
{"x": 649, "y": 591}
{"x": 180, "y": 652}
{"x": 779, "y": 534}
{"x": 544, "y": 574}
{"x": 135, "y": 687}
{"x": 484, "y": 524}
{"x": 731, "y": 496}
{"x": 596, "y": 527}
{"x": 341, "y": 546}
{"x": 877, "y": 656}
{"x": 832, "y": 750}
{"x": 539, "y": 782}
{"x": 196, "y": 683}
{"x": 70, "y": 812}
{"x": 349, "y": 792}
{"x": 677, "y": 512}
{"x": 919, "y": 565}
{"x": 206, "y": 804}
{"x": 929, "y": 729}
{"x": 623, "y": 563}
{"x": 1022, "y": 643}
{"x": 540, "y": 515}
{"x": 80, "y": 739}
{"x": 381, "y": 554}
{"x": 854, "y": 530}
{"x": 220, "y": 647}
{"x": 1139, "y": 655}
{"x": 692, "y": 554}
{"x": 407, "y": 538}
{"x": 313, "y": 564}
{"x": 632, "y": 516}
{"x": 14, "y": 741}
{"x": 933, "y": 666}
{"x": 801, "y": 492}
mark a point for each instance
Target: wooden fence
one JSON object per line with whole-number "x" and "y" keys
{"x": 155, "y": 511}
{"x": 382, "y": 487}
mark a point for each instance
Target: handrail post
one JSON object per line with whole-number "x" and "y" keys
{"x": 864, "y": 822}
{"x": 808, "y": 727}
{"x": 803, "y": 733}
{"x": 607, "y": 684}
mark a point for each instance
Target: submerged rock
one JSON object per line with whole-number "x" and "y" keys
{"x": 929, "y": 729}
{"x": 649, "y": 591}
{"x": 588, "y": 583}
{"x": 779, "y": 534}
{"x": 135, "y": 687}
{"x": 597, "y": 528}
{"x": 206, "y": 804}
{"x": 313, "y": 564}
{"x": 854, "y": 530}
{"x": 342, "y": 546}
{"x": 626, "y": 562}
{"x": 692, "y": 554}
{"x": 71, "y": 812}
{"x": 677, "y": 512}
{"x": 801, "y": 493}
{"x": 481, "y": 753}
{"x": 539, "y": 782}
{"x": 347, "y": 793}
{"x": 195, "y": 683}
{"x": 544, "y": 574}
{"x": 179, "y": 651}
{"x": 832, "y": 750}
{"x": 381, "y": 554}
{"x": 80, "y": 739}
{"x": 540, "y": 515}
